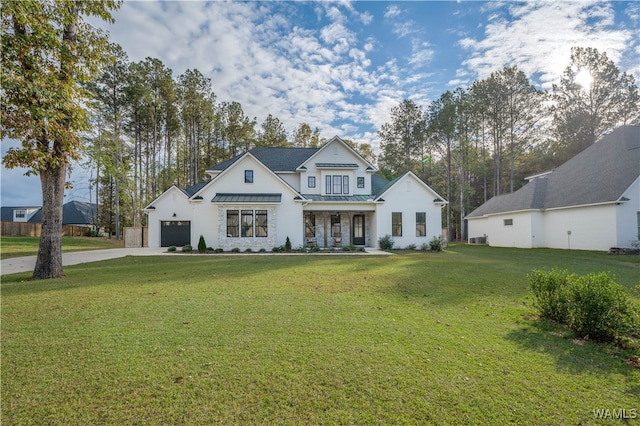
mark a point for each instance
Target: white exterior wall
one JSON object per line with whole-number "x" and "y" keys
{"x": 172, "y": 201}
{"x": 409, "y": 195}
{"x": 627, "y": 217}
{"x": 205, "y": 222}
{"x": 519, "y": 234}
{"x": 335, "y": 152}
{"x": 592, "y": 228}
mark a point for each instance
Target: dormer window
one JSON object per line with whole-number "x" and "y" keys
{"x": 248, "y": 176}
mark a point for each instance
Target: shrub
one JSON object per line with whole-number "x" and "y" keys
{"x": 436, "y": 243}
{"x": 424, "y": 247}
{"x": 600, "y": 308}
{"x": 202, "y": 246}
{"x": 172, "y": 248}
{"x": 593, "y": 305}
{"x": 219, "y": 250}
{"x": 187, "y": 248}
{"x": 235, "y": 250}
{"x": 287, "y": 245}
{"x": 411, "y": 247}
{"x": 386, "y": 242}
{"x": 248, "y": 250}
{"x": 552, "y": 292}
{"x": 262, "y": 250}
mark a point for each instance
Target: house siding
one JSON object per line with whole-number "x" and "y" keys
{"x": 592, "y": 228}
{"x": 408, "y": 196}
{"x": 627, "y": 217}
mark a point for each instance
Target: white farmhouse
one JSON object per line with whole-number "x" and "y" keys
{"x": 591, "y": 202}
{"x": 325, "y": 197}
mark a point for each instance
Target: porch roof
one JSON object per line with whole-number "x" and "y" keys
{"x": 247, "y": 198}
{"x": 339, "y": 199}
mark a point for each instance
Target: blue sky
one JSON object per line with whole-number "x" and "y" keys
{"x": 341, "y": 66}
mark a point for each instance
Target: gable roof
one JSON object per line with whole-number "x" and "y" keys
{"x": 337, "y": 139}
{"x": 408, "y": 174}
{"x": 276, "y": 159}
{"x": 599, "y": 174}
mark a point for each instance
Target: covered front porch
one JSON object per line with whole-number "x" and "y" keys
{"x": 335, "y": 228}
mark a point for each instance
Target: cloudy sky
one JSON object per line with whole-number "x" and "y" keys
{"x": 341, "y": 66}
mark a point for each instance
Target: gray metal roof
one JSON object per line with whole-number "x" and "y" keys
{"x": 339, "y": 199}
{"x": 337, "y": 165}
{"x": 599, "y": 174}
{"x": 247, "y": 198}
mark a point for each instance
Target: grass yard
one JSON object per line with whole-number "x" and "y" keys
{"x": 28, "y": 246}
{"x": 416, "y": 338}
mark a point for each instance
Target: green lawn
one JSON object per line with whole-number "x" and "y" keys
{"x": 28, "y": 246}
{"x": 436, "y": 338}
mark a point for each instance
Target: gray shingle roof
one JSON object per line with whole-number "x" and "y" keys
{"x": 599, "y": 174}
{"x": 73, "y": 213}
{"x": 276, "y": 159}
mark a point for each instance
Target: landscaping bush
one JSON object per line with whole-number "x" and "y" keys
{"x": 600, "y": 309}
{"x": 172, "y": 248}
{"x": 386, "y": 242}
{"x": 437, "y": 243}
{"x": 235, "y": 250}
{"x": 187, "y": 248}
{"x": 552, "y": 292}
{"x": 219, "y": 250}
{"x": 411, "y": 247}
{"x": 287, "y": 245}
{"x": 593, "y": 305}
{"x": 202, "y": 246}
{"x": 424, "y": 247}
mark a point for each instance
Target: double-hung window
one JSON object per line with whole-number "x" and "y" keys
{"x": 247, "y": 223}
{"x": 421, "y": 224}
{"x": 261, "y": 223}
{"x": 396, "y": 224}
{"x": 233, "y": 222}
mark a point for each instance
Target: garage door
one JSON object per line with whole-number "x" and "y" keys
{"x": 175, "y": 233}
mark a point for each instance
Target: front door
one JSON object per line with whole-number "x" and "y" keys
{"x": 358, "y": 230}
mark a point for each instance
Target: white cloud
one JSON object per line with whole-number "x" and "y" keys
{"x": 392, "y": 11}
{"x": 538, "y": 36}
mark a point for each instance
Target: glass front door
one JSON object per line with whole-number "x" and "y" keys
{"x": 358, "y": 230}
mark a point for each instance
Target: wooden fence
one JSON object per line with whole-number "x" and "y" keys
{"x": 28, "y": 229}
{"x": 136, "y": 236}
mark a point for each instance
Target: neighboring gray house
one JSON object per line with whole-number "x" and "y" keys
{"x": 591, "y": 202}
{"x": 73, "y": 213}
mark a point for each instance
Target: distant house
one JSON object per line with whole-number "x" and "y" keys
{"x": 73, "y": 213}
{"x": 591, "y": 202}
{"x": 324, "y": 197}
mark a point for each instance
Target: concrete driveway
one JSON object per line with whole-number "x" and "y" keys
{"x": 27, "y": 263}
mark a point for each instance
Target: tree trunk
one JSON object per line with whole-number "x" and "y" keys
{"x": 49, "y": 260}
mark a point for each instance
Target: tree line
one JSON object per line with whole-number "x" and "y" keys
{"x": 66, "y": 90}
{"x": 474, "y": 143}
